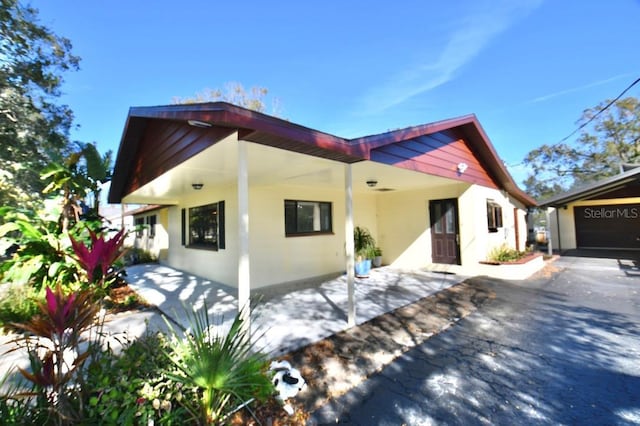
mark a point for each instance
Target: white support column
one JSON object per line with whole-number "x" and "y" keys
{"x": 244, "y": 278}
{"x": 548, "y": 228}
{"x": 349, "y": 246}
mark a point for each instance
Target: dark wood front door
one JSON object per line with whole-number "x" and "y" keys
{"x": 445, "y": 241}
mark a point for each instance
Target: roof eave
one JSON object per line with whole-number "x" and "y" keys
{"x": 250, "y": 123}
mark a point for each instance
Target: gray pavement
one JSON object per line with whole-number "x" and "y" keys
{"x": 561, "y": 349}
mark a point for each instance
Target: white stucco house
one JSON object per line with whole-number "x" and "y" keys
{"x": 253, "y": 201}
{"x": 149, "y": 230}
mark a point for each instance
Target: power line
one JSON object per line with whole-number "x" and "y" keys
{"x": 583, "y": 125}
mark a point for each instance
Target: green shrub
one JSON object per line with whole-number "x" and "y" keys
{"x": 15, "y": 409}
{"x": 136, "y": 255}
{"x": 132, "y": 387}
{"x": 42, "y": 251}
{"x": 19, "y": 304}
{"x": 364, "y": 243}
{"x": 55, "y": 343}
{"x": 504, "y": 253}
{"x": 224, "y": 368}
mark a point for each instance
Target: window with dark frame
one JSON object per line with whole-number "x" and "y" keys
{"x": 206, "y": 226}
{"x": 494, "y": 216}
{"x": 307, "y": 218}
{"x": 151, "y": 223}
{"x": 139, "y": 227}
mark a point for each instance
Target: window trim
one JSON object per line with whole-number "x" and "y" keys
{"x": 139, "y": 226}
{"x": 494, "y": 216}
{"x": 297, "y": 233}
{"x": 151, "y": 225}
{"x": 220, "y": 225}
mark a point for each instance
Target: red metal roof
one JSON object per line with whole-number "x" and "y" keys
{"x": 142, "y": 158}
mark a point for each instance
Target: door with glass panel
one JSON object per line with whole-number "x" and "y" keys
{"x": 445, "y": 236}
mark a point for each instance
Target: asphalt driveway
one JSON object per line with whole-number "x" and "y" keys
{"x": 559, "y": 349}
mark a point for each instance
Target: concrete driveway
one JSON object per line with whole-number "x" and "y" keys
{"x": 558, "y": 349}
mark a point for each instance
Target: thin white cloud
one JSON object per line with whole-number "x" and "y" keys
{"x": 479, "y": 24}
{"x": 579, "y": 89}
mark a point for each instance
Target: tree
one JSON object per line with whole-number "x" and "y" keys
{"x": 33, "y": 127}
{"x": 609, "y": 139}
{"x": 236, "y": 94}
{"x": 76, "y": 177}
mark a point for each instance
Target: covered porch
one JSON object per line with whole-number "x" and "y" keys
{"x": 288, "y": 318}
{"x": 244, "y": 169}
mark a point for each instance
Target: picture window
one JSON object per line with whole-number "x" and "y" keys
{"x": 307, "y": 217}
{"x": 206, "y": 226}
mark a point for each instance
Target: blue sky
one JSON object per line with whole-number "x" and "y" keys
{"x": 526, "y": 68}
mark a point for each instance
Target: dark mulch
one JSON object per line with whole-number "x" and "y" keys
{"x": 123, "y": 298}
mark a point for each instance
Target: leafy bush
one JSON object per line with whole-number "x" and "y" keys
{"x": 225, "y": 369}
{"x": 46, "y": 255}
{"x": 57, "y": 352}
{"x": 41, "y": 250}
{"x": 504, "y": 253}
{"x": 19, "y": 304}
{"x": 98, "y": 258}
{"x": 131, "y": 387}
{"x": 198, "y": 379}
{"x": 136, "y": 255}
{"x": 15, "y": 406}
{"x": 364, "y": 243}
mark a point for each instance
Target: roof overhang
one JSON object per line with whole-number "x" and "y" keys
{"x": 158, "y": 139}
{"x": 613, "y": 185}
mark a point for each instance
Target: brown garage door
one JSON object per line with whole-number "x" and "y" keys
{"x": 609, "y": 226}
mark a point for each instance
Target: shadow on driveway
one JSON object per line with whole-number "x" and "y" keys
{"x": 551, "y": 351}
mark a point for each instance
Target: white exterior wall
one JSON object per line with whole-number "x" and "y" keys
{"x": 403, "y": 222}
{"x": 405, "y": 235}
{"x": 505, "y": 235}
{"x": 567, "y": 229}
{"x": 159, "y": 244}
{"x": 275, "y": 258}
{"x": 399, "y": 221}
{"x": 221, "y": 265}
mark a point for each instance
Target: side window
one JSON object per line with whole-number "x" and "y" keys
{"x": 139, "y": 226}
{"x": 151, "y": 224}
{"x": 206, "y": 226}
{"x": 494, "y": 216}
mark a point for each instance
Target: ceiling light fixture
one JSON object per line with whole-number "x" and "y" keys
{"x": 372, "y": 183}
{"x": 197, "y": 186}
{"x": 198, "y": 123}
{"x": 462, "y": 167}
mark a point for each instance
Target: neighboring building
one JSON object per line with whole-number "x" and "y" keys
{"x": 252, "y": 201}
{"x": 603, "y": 215}
{"x": 149, "y": 230}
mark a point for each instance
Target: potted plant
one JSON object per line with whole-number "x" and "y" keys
{"x": 377, "y": 257}
{"x": 363, "y": 245}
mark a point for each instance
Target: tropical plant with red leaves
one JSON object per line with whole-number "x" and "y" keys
{"x": 55, "y": 340}
{"x": 98, "y": 259}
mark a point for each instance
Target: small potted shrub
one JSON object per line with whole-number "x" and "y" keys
{"x": 377, "y": 257}
{"x": 363, "y": 245}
